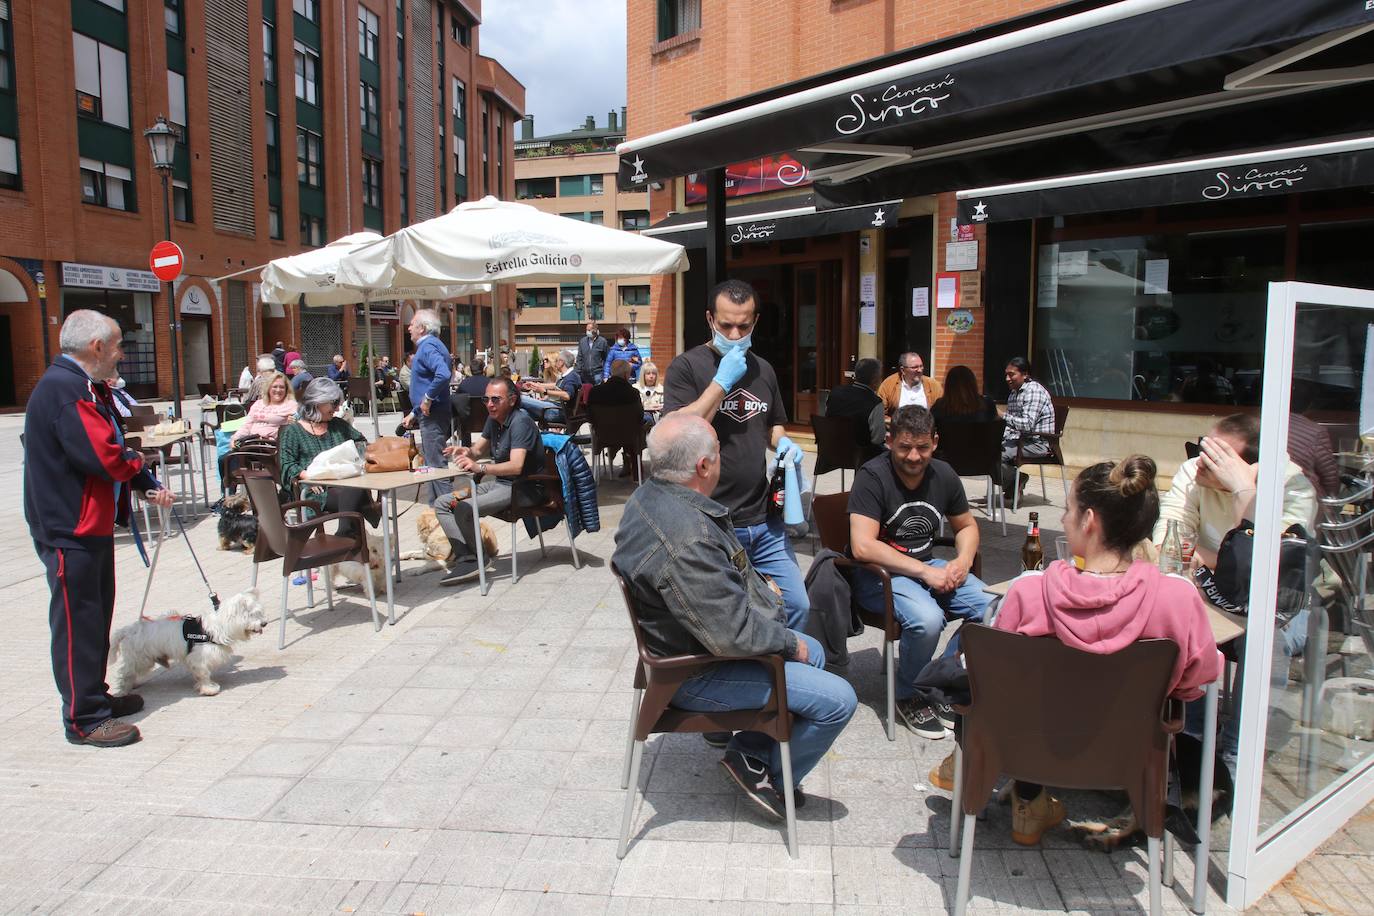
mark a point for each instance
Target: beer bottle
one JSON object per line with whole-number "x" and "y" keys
{"x": 776, "y": 487}
{"x": 1032, "y": 554}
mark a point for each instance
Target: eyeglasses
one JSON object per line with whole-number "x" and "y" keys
{"x": 494, "y": 398}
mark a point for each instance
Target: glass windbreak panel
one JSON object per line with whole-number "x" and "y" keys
{"x": 1172, "y": 317}
{"x": 1321, "y": 686}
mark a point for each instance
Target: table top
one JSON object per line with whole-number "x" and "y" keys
{"x": 391, "y": 480}
{"x": 144, "y": 439}
{"x": 1225, "y": 626}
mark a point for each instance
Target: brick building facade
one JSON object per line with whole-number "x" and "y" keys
{"x": 393, "y": 113}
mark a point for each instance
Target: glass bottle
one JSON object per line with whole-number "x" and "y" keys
{"x": 1171, "y": 551}
{"x": 1032, "y": 554}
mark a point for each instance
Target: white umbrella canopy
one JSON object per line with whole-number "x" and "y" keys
{"x": 489, "y": 241}
{"x": 312, "y": 274}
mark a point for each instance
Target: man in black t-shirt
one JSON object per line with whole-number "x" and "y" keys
{"x": 898, "y": 506}
{"x": 736, "y": 391}
{"x": 517, "y": 450}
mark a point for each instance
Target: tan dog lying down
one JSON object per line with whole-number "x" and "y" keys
{"x": 436, "y": 547}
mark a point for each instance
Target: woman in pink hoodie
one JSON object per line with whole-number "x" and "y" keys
{"x": 269, "y": 413}
{"x": 1110, "y": 603}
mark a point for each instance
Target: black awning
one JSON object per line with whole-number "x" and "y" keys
{"x": 770, "y": 220}
{"x": 1090, "y": 69}
{"x": 1312, "y": 167}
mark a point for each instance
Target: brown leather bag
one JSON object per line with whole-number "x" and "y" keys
{"x": 389, "y": 453}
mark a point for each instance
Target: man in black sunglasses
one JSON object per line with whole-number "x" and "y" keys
{"x": 512, "y": 441}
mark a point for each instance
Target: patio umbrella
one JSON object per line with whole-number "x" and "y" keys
{"x": 309, "y": 278}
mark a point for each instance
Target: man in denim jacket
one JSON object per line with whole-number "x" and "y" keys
{"x": 697, "y": 593}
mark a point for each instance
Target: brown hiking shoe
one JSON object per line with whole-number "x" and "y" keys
{"x": 110, "y": 733}
{"x": 1030, "y": 819}
{"x": 942, "y": 777}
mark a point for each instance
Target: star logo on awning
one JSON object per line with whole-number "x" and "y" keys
{"x": 980, "y": 212}
{"x": 639, "y": 174}
{"x": 879, "y": 218}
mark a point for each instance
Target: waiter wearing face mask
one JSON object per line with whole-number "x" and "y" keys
{"x": 591, "y": 355}
{"x": 737, "y": 392}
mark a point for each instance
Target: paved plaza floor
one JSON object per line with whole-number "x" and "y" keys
{"x": 467, "y": 760}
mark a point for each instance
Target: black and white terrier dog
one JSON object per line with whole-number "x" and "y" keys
{"x": 238, "y": 527}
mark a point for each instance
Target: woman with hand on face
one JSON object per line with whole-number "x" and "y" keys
{"x": 624, "y": 350}
{"x": 317, "y": 430}
{"x": 269, "y": 413}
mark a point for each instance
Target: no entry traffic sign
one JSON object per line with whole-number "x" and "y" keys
{"x": 166, "y": 261}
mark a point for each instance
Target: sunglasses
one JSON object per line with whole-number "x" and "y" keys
{"x": 493, "y": 398}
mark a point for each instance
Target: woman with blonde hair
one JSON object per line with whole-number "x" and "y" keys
{"x": 269, "y": 413}
{"x": 650, "y": 386}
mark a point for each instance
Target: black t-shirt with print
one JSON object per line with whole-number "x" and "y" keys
{"x": 743, "y": 423}
{"x": 908, "y": 520}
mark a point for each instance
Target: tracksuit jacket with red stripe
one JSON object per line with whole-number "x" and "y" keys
{"x": 73, "y": 459}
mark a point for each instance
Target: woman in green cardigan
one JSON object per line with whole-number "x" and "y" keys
{"x": 317, "y": 430}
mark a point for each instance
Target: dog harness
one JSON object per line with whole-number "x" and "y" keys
{"x": 194, "y": 633}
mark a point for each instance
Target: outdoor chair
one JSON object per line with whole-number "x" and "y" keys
{"x": 205, "y": 389}
{"x": 254, "y": 454}
{"x": 557, "y": 419}
{"x": 619, "y": 426}
{"x": 836, "y": 447}
{"x": 830, "y": 514}
{"x": 1056, "y": 456}
{"x": 360, "y": 393}
{"x": 1029, "y": 718}
{"x": 533, "y": 497}
{"x": 657, "y": 678}
{"x": 476, "y": 421}
{"x": 302, "y": 545}
{"x": 974, "y": 449}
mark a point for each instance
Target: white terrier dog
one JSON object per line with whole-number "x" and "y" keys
{"x": 140, "y": 647}
{"x": 351, "y": 572}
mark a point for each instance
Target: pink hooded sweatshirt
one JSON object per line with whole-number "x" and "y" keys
{"x": 1104, "y": 614}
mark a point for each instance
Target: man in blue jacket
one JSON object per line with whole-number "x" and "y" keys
{"x": 78, "y": 476}
{"x": 429, "y": 397}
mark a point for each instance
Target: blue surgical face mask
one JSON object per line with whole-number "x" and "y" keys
{"x": 724, "y": 344}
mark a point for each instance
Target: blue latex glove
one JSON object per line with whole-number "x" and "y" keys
{"x": 789, "y": 451}
{"x": 731, "y": 369}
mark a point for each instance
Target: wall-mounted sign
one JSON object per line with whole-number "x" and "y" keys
{"x": 960, "y": 321}
{"x": 94, "y": 276}
{"x": 770, "y": 173}
{"x": 946, "y": 291}
{"x": 194, "y": 301}
{"x": 960, "y": 256}
{"x": 971, "y": 289}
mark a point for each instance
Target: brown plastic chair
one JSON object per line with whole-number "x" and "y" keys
{"x": 1030, "y": 718}
{"x": 302, "y": 546}
{"x": 532, "y": 497}
{"x": 831, "y": 516}
{"x": 618, "y": 426}
{"x": 1056, "y": 456}
{"x": 252, "y": 455}
{"x": 657, "y": 679}
{"x": 974, "y": 449}
{"x": 360, "y": 393}
{"x": 836, "y": 447}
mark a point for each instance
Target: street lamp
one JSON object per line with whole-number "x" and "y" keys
{"x": 162, "y": 144}
{"x": 633, "y": 314}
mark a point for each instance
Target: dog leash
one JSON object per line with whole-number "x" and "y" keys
{"x": 214, "y": 599}
{"x": 157, "y": 551}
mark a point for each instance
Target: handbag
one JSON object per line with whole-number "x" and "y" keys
{"x": 389, "y": 453}
{"x": 1228, "y": 586}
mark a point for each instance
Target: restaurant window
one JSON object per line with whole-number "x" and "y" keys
{"x": 274, "y": 222}
{"x": 309, "y": 166}
{"x": 1170, "y": 317}
{"x": 678, "y": 17}
{"x": 307, "y": 75}
{"x": 171, "y": 16}
{"x": 102, "y": 81}
{"x": 181, "y": 201}
{"x": 307, "y": 8}
{"x": 312, "y": 230}
{"x": 535, "y": 188}
{"x": 368, "y": 95}
{"x": 368, "y": 29}
{"x": 634, "y": 219}
{"x": 9, "y": 162}
{"x": 269, "y": 52}
{"x": 372, "y": 182}
{"x": 106, "y": 185}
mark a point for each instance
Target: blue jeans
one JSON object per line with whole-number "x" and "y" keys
{"x": 921, "y": 613}
{"x": 434, "y": 432}
{"x": 771, "y": 554}
{"x": 821, "y": 704}
{"x": 536, "y": 408}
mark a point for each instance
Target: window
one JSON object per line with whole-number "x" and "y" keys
{"x": 9, "y": 162}
{"x": 678, "y": 17}
{"x": 460, "y": 156}
{"x": 575, "y": 185}
{"x": 6, "y": 49}
{"x": 540, "y": 298}
{"x": 102, "y": 81}
{"x": 307, "y": 8}
{"x": 368, "y": 29}
{"x": 634, "y": 219}
{"x": 307, "y": 75}
{"x": 312, "y": 230}
{"x": 369, "y": 106}
{"x": 274, "y": 222}
{"x": 181, "y": 201}
{"x": 269, "y": 52}
{"x": 595, "y": 217}
{"x": 460, "y": 99}
{"x": 171, "y": 16}
{"x": 634, "y": 295}
{"x": 271, "y": 131}
{"x": 308, "y": 167}
{"x": 176, "y": 100}
{"x": 106, "y": 185}
{"x": 114, "y": 4}
{"x": 405, "y": 198}
{"x": 461, "y": 33}
{"x": 372, "y": 183}
{"x": 535, "y": 188}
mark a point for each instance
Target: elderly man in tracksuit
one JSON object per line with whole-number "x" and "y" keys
{"x": 430, "y": 371}
{"x": 78, "y": 476}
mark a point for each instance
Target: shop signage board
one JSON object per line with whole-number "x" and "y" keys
{"x": 95, "y": 276}
{"x": 195, "y": 302}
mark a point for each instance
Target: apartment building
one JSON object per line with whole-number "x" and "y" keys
{"x": 389, "y": 110}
